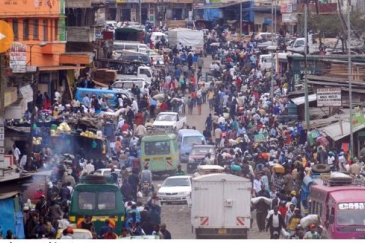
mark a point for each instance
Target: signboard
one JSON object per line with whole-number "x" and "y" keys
{"x": 18, "y": 57}
{"x": 329, "y": 97}
{"x": 358, "y": 119}
{"x": 29, "y": 8}
{"x": 289, "y": 18}
{"x": 349, "y": 206}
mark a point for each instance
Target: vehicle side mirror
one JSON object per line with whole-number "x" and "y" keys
{"x": 159, "y": 185}
{"x": 331, "y": 219}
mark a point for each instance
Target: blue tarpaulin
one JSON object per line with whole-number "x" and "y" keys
{"x": 7, "y": 217}
{"x": 212, "y": 14}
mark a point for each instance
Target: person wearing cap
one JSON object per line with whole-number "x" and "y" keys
{"x": 294, "y": 221}
{"x": 312, "y": 233}
{"x": 179, "y": 171}
{"x": 294, "y": 199}
{"x": 67, "y": 233}
{"x": 321, "y": 233}
{"x": 289, "y": 213}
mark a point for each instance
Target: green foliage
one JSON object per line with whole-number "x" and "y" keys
{"x": 330, "y": 25}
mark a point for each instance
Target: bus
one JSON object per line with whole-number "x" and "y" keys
{"x": 101, "y": 200}
{"x": 342, "y": 205}
{"x": 129, "y": 34}
{"x": 160, "y": 153}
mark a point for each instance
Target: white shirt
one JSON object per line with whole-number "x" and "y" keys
{"x": 221, "y": 120}
{"x": 257, "y": 185}
{"x": 16, "y": 153}
{"x": 89, "y": 168}
{"x": 120, "y": 101}
{"x": 275, "y": 220}
{"x": 23, "y": 161}
{"x": 71, "y": 189}
{"x": 134, "y": 106}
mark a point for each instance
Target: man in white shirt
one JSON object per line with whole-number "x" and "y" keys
{"x": 16, "y": 154}
{"x": 257, "y": 184}
{"x": 275, "y": 223}
{"x": 89, "y": 167}
{"x": 134, "y": 106}
{"x": 221, "y": 119}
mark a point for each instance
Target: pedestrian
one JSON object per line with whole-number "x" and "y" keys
{"x": 16, "y": 154}
{"x": 165, "y": 232}
{"x": 262, "y": 209}
{"x": 275, "y": 224}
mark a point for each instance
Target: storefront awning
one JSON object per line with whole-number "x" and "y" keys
{"x": 58, "y": 68}
{"x": 76, "y": 58}
{"x": 301, "y": 100}
{"x": 339, "y": 130}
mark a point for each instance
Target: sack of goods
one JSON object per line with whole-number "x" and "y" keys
{"x": 257, "y": 199}
{"x": 308, "y": 220}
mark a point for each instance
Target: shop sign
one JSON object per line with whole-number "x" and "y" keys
{"x": 18, "y": 57}
{"x": 329, "y": 97}
{"x": 349, "y": 206}
{"x": 358, "y": 119}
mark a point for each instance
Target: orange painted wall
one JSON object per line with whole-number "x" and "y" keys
{"x": 41, "y": 56}
{"x": 29, "y": 8}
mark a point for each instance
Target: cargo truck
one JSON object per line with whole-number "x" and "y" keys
{"x": 221, "y": 206}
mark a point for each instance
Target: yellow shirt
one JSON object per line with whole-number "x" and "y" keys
{"x": 210, "y": 95}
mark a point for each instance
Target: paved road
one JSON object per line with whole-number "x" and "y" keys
{"x": 177, "y": 217}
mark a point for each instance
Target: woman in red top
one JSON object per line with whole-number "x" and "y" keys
{"x": 139, "y": 118}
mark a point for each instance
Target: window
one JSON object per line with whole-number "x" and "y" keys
{"x": 106, "y": 200}
{"x": 15, "y": 29}
{"x": 35, "y": 29}
{"x": 26, "y": 29}
{"x": 56, "y": 30}
{"x": 191, "y": 140}
{"x": 157, "y": 148}
{"x": 176, "y": 182}
{"x": 87, "y": 200}
{"x": 45, "y": 31}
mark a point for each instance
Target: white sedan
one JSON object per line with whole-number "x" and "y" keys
{"x": 175, "y": 189}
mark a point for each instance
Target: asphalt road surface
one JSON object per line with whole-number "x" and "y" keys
{"x": 177, "y": 217}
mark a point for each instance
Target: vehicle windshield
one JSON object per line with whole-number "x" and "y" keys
{"x": 164, "y": 117}
{"x": 191, "y": 140}
{"x": 127, "y": 85}
{"x": 176, "y": 182}
{"x": 157, "y": 147}
{"x": 97, "y": 200}
{"x": 351, "y": 217}
{"x": 201, "y": 151}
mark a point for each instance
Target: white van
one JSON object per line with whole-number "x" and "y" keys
{"x": 119, "y": 47}
{"x": 127, "y": 83}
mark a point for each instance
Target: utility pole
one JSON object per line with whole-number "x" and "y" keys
{"x": 140, "y": 11}
{"x": 307, "y": 116}
{"x": 240, "y": 19}
{"x": 272, "y": 55}
{"x": 351, "y": 149}
{"x": 2, "y": 107}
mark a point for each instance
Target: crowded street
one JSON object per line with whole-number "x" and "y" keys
{"x": 225, "y": 121}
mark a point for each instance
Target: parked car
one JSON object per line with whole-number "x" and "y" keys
{"x": 169, "y": 120}
{"x": 79, "y": 234}
{"x": 197, "y": 155}
{"x": 175, "y": 189}
{"x": 108, "y": 172}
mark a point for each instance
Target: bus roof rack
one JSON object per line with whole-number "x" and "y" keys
{"x": 154, "y": 131}
{"x": 346, "y": 180}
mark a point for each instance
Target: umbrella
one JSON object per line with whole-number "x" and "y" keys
{"x": 215, "y": 44}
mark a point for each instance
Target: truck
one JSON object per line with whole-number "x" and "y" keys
{"x": 298, "y": 45}
{"x": 169, "y": 121}
{"x": 187, "y": 37}
{"x": 130, "y": 72}
{"x": 221, "y": 206}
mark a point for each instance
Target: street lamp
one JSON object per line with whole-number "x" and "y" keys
{"x": 41, "y": 44}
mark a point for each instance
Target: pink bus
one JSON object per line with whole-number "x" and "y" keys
{"x": 342, "y": 206}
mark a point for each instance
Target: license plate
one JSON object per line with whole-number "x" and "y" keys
{"x": 222, "y": 231}
{"x": 157, "y": 158}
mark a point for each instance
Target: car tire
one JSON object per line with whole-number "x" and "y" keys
{"x": 320, "y": 168}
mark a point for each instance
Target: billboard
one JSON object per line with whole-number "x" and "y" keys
{"x": 29, "y": 7}
{"x": 329, "y": 97}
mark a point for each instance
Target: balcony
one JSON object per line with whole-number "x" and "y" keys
{"x": 80, "y": 34}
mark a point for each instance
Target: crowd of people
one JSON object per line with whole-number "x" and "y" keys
{"x": 245, "y": 122}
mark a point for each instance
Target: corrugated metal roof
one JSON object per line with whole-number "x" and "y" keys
{"x": 335, "y": 132}
{"x": 301, "y": 100}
